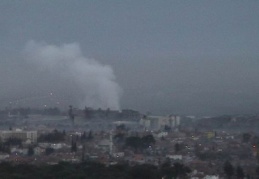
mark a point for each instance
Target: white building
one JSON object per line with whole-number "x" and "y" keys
{"x": 159, "y": 122}
{"x": 20, "y": 134}
{"x": 174, "y": 157}
{"x": 211, "y": 177}
{"x": 162, "y": 134}
{"x": 3, "y": 156}
{"x": 57, "y": 146}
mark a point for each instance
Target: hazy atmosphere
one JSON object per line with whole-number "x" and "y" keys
{"x": 184, "y": 57}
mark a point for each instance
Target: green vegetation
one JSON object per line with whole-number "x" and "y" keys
{"x": 141, "y": 143}
{"x": 54, "y": 137}
{"x": 92, "y": 170}
{"x": 49, "y": 151}
{"x": 228, "y": 169}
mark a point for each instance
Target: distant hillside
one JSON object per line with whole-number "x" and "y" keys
{"x": 249, "y": 123}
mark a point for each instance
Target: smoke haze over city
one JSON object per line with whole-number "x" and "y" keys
{"x": 163, "y": 57}
{"x": 91, "y": 83}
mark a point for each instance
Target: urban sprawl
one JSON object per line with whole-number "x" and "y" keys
{"x": 173, "y": 146}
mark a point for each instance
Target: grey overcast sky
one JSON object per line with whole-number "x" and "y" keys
{"x": 193, "y": 57}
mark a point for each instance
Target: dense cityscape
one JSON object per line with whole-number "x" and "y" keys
{"x": 159, "y": 146}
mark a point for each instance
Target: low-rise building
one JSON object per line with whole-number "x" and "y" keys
{"x": 19, "y": 134}
{"x": 160, "y": 122}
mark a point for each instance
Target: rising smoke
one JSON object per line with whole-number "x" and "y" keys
{"x": 90, "y": 82}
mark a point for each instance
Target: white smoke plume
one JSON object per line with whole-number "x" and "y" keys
{"x": 91, "y": 83}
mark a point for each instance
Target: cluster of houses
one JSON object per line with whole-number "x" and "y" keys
{"x": 195, "y": 149}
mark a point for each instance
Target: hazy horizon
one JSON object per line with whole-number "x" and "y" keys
{"x": 182, "y": 57}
